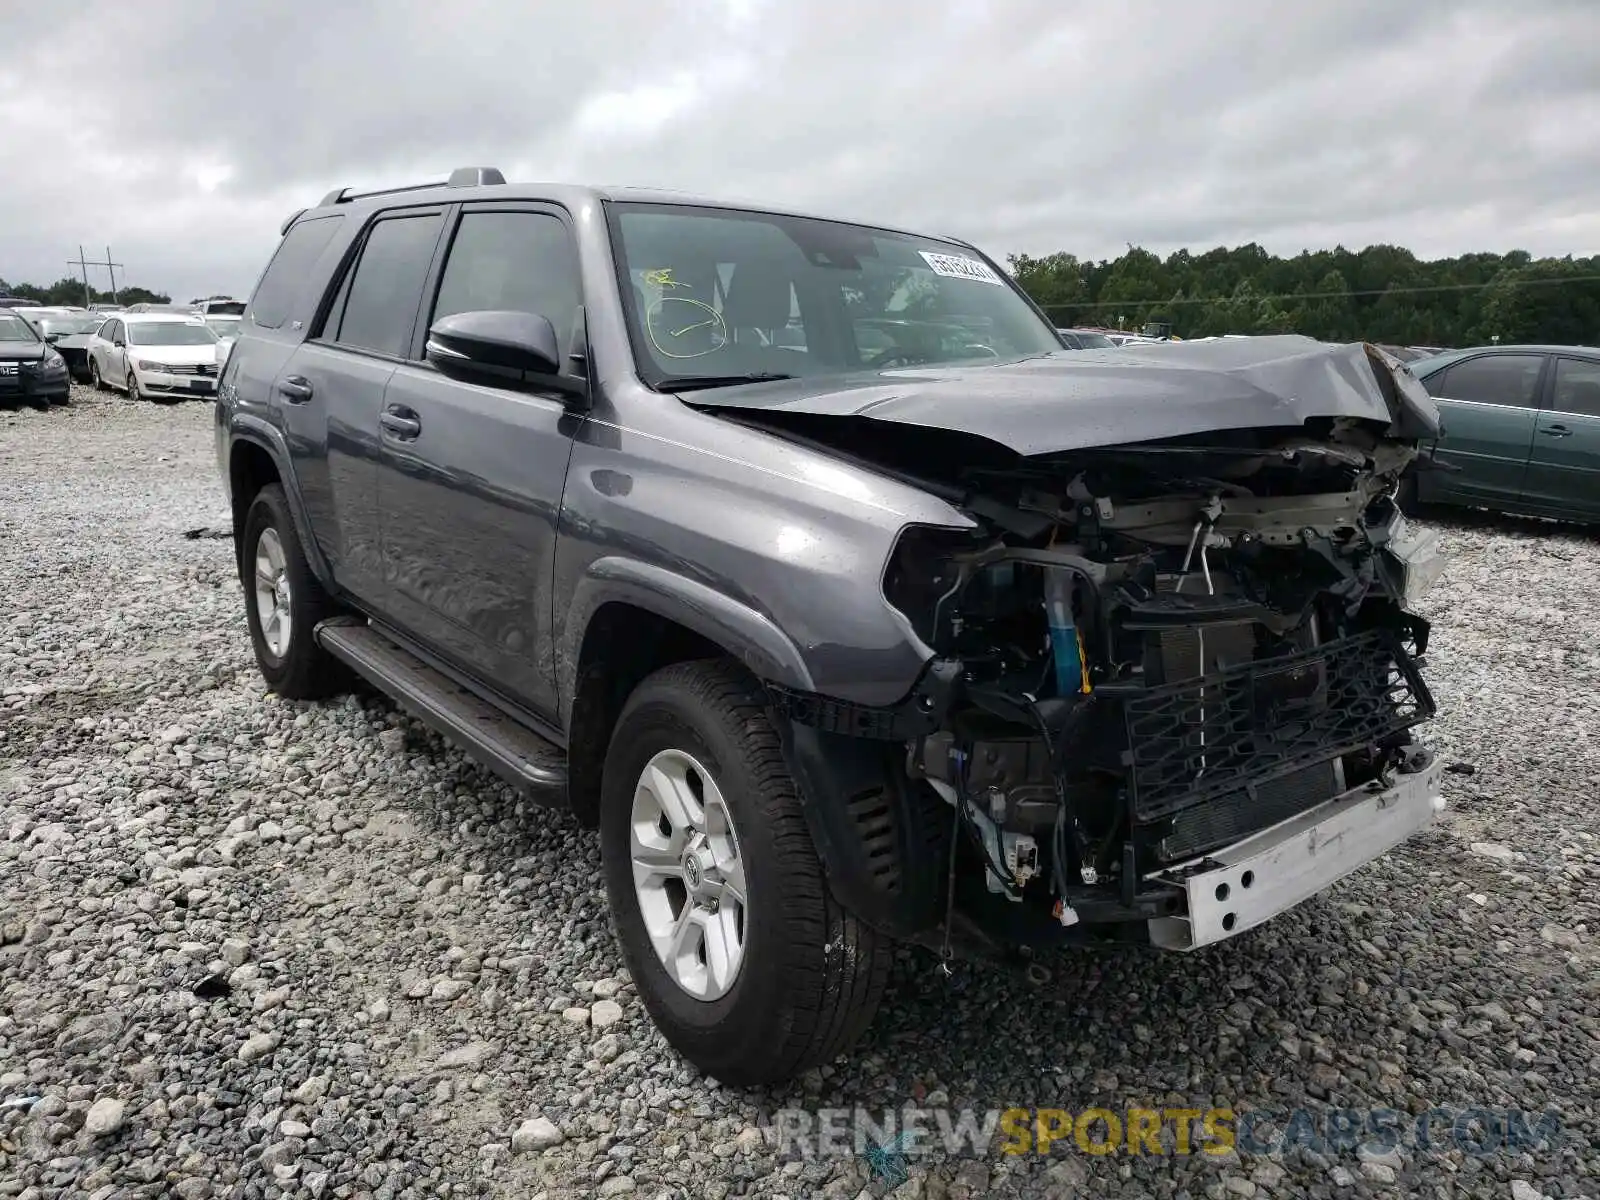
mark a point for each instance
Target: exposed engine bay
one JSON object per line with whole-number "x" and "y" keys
{"x": 1152, "y": 652}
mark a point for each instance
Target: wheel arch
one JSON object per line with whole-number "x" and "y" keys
{"x": 257, "y": 457}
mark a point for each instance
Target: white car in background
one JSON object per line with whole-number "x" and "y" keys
{"x": 154, "y": 355}
{"x": 226, "y": 327}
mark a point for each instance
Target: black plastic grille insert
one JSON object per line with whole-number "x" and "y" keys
{"x": 1245, "y": 726}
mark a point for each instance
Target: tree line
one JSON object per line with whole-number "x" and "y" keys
{"x": 70, "y": 291}
{"x": 1380, "y": 294}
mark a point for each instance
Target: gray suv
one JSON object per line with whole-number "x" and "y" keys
{"x": 800, "y": 558}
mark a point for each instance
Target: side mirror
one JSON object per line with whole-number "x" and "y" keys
{"x": 52, "y": 338}
{"x": 119, "y": 342}
{"x": 500, "y": 341}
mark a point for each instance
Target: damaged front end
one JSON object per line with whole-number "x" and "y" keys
{"x": 1173, "y": 691}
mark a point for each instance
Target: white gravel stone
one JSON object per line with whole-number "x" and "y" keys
{"x": 105, "y": 1117}
{"x": 604, "y": 1013}
{"x": 536, "y": 1134}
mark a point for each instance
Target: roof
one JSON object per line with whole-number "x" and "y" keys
{"x": 568, "y": 195}
{"x": 141, "y": 318}
{"x": 1524, "y": 348}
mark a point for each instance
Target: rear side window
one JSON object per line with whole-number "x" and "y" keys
{"x": 513, "y": 262}
{"x": 380, "y": 310}
{"x": 286, "y": 273}
{"x": 1577, "y": 387}
{"x": 1510, "y": 380}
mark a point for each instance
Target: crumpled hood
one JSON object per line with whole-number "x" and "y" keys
{"x": 1076, "y": 400}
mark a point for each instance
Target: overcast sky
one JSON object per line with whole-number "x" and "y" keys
{"x": 182, "y": 132}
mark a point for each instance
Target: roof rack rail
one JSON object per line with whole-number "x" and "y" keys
{"x": 475, "y": 176}
{"x": 460, "y": 177}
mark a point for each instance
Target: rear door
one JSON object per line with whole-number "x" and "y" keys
{"x": 330, "y": 392}
{"x": 1489, "y": 405}
{"x": 472, "y": 469}
{"x": 1564, "y": 466}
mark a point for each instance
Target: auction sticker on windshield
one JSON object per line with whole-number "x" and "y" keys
{"x": 956, "y": 266}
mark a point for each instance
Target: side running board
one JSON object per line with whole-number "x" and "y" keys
{"x": 504, "y": 745}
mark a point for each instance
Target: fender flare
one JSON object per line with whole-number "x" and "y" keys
{"x": 749, "y": 636}
{"x": 262, "y": 434}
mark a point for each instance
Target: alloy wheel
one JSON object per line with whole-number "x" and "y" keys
{"x": 273, "y": 597}
{"x": 689, "y": 874}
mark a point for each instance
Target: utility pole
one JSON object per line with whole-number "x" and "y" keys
{"x": 83, "y": 265}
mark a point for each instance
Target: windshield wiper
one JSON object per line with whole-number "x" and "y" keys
{"x": 694, "y": 383}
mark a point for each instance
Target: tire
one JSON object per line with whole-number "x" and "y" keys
{"x": 133, "y": 386}
{"x": 291, "y": 662}
{"x": 94, "y": 376}
{"x": 810, "y": 975}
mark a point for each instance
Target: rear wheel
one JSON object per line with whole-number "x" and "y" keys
{"x": 741, "y": 955}
{"x": 284, "y": 603}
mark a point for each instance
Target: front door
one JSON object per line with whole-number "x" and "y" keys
{"x": 472, "y": 470}
{"x": 1564, "y": 466}
{"x": 1488, "y": 406}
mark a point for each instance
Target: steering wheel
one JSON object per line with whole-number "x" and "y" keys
{"x": 897, "y": 356}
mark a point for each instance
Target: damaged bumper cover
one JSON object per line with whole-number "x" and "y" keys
{"x": 1254, "y": 880}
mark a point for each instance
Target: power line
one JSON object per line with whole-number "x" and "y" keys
{"x": 1391, "y": 291}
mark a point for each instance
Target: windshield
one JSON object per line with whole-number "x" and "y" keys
{"x": 716, "y": 292}
{"x": 68, "y": 324}
{"x": 15, "y": 329}
{"x": 223, "y": 327}
{"x": 1093, "y": 341}
{"x": 169, "y": 333}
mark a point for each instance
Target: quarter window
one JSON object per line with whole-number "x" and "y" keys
{"x": 286, "y": 274}
{"x": 381, "y": 309}
{"x": 1577, "y": 387}
{"x": 511, "y": 262}
{"x": 1511, "y": 380}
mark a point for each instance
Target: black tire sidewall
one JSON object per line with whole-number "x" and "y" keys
{"x": 749, "y": 1019}
{"x": 270, "y": 510}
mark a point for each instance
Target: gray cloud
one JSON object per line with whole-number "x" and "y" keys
{"x": 182, "y": 133}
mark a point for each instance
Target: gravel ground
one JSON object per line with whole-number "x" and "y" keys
{"x": 253, "y": 948}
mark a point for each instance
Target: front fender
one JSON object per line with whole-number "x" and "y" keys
{"x": 743, "y": 632}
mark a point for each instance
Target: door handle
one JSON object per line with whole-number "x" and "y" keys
{"x": 401, "y": 422}
{"x": 295, "y": 388}
{"x": 1556, "y": 431}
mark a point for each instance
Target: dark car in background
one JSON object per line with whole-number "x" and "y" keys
{"x": 1085, "y": 339}
{"x": 1521, "y": 430}
{"x": 30, "y": 368}
{"x": 69, "y": 333}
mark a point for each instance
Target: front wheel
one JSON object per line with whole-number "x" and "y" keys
{"x": 284, "y": 603}
{"x": 741, "y": 955}
{"x": 133, "y": 386}
{"x": 94, "y": 376}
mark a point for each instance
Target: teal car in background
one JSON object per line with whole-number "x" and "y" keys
{"x": 1521, "y": 430}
